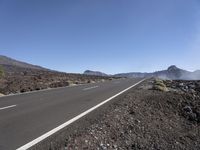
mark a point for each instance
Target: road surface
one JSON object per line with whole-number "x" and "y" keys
{"x": 25, "y": 117}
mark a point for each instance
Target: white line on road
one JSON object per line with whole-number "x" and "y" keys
{"x": 44, "y": 136}
{"x": 89, "y": 88}
{"x": 7, "y": 107}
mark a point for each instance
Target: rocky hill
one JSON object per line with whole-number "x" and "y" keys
{"x": 96, "y": 73}
{"x": 12, "y": 65}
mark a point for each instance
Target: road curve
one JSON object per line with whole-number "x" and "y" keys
{"x": 25, "y": 117}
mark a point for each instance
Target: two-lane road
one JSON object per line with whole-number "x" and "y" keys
{"x": 25, "y": 117}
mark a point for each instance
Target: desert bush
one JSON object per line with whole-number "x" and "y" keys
{"x": 159, "y": 85}
{"x": 71, "y": 83}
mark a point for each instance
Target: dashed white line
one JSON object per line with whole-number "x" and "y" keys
{"x": 44, "y": 136}
{"x": 2, "y": 108}
{"x": 89, "y": 88}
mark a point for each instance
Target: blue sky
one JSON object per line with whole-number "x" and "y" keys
{"x": 112, "y": 36}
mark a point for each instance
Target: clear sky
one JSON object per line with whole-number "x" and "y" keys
{"x": 111, "y": 36}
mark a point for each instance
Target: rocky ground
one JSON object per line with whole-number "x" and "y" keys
{"x": 145, "y": 118}
{"x": 20, "y": 81}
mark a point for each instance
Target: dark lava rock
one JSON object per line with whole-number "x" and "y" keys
{"x": 187, "y": 109}
{"x": 189, "y": 114}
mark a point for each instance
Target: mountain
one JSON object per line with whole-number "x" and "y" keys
{"x": 173, "y": 73}
{"x": 12, "y": 65}
{"x": 96, "y": 73}
{"x": 4, "y": 60}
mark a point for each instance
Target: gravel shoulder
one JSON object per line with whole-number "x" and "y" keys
{"x": 143, "y": 118}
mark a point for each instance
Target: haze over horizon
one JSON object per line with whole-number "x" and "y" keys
{"x": 109, "y": 36}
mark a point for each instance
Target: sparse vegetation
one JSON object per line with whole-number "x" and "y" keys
{"x": 91, "y": 81}
{"x": 159, "y": 85}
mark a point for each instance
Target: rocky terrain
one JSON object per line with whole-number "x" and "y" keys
{"x": 19, "y": 77}
{"x": 37, "y": 80}
{"x": 147, "y": 117}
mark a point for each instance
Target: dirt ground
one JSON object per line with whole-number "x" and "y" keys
{"x": 145, "y": 119}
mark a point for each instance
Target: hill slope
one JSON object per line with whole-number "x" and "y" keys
{"x": 12, "y": 65}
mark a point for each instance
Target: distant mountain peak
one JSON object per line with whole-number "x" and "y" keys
{"x": 172, "y": 68}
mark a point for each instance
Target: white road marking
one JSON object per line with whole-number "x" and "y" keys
{"x": 89, "y": 88}
{"x": 7, "y": 107}
{"x": 44, "y": 136}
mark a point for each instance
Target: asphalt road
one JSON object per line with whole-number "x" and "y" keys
{"x": 25, "y": 117}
